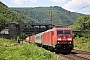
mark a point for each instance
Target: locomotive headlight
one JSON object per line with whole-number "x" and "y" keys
{"x": 69, "y": 39}
{"x": 58, "y": 42}
{"x": 59, "y": 39}
{"x": 70, "y": 42}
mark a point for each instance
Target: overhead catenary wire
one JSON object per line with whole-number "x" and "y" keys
{"x": 83, "y": 7}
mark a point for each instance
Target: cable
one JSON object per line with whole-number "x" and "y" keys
{"x": 83, "y": 7}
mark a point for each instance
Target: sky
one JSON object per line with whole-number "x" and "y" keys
{"x": 80, "y": 6}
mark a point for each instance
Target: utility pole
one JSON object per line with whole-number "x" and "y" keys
{"x": 51, "y": 17}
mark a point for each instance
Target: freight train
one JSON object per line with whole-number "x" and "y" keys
{"x": 55, "y": 39}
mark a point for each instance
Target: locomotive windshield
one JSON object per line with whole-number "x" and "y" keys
{"x": 63, "y": 31}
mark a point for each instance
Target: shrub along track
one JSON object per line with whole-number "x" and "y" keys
{"x": 75, "y": 55}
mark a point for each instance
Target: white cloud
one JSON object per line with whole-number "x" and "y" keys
{"x": 33, "y": 0}
{"x": 58, "y": 1}
{"x": 18, "y": 2}
{"x": 78, "y": 6}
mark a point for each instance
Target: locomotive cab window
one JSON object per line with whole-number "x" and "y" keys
{"x": 63, "y": 31}
{"x": 66, "y": 31}
{"x": 59, "y": 31}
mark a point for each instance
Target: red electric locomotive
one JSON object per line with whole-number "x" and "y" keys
{"x": 60, "y": 39}
{"x": 57, "y": 39}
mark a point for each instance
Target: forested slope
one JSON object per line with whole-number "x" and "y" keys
{"x": 8, "y": 15}
{"x": 82, "y": 23}
{"x": 56, "y": 14}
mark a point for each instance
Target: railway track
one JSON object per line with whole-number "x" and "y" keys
{"x": 75, "y": 55}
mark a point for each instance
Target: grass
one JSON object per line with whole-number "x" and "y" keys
{"x": 27, "y": 51}
{"x": 82, "y": 43}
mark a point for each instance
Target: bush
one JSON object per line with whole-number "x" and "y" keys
{"x": 82, "y": 43}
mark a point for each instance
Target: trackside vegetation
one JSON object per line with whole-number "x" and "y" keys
{"x": 26, "y": 51}
{"x": 82, "y": 43}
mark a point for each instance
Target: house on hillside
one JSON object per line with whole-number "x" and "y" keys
{"x": 5, "y": 31}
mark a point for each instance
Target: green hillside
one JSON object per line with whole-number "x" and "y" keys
{"x": 8, "y": 15}
{"x": 57, "y": 15}
{"x": 82, "y": 23}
